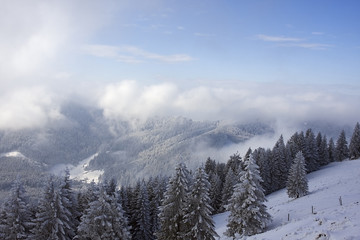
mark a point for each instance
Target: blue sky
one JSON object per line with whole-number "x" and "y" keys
{"x": 212, "y": 41}
{"x": 198, "y": 59}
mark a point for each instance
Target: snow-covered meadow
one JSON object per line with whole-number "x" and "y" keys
{"x": 318, "y": 215}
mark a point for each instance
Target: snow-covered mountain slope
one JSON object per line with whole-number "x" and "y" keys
{"x": 329, "y": 219}
{"x": 79, "y": 172}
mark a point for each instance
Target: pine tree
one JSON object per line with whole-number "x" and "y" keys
{"x": 297, "y": 184}
{"x": 310, "y": 152}
{"x": 341, "y": 149}
{"x": 104, "y": 219}
{"x": 332, "y": 150}
{"x": 215, "y": 192}
{"x": 3, "y": 225}
{"x": 248, "y": 215}
{"x": 142, "y": 213}
{"x": 323, "y": 151}
{"x": 280, "y": 165}
{"x": 70, "y": 203}
{"x": 173, "y": 205}
{"x": 260, "y": 156}
{"x": 87, "y": 197}
{"x": 228, "y": 187}
{"x": 156, "y": 191}
{"x": 210, "y": 166}
{"x": 52, "y": 218}
{"x": 354, "y": 147}
{"x": 16, "y": 220}
{"x": 199, "y": 223}
{"x": 234, "y": 163}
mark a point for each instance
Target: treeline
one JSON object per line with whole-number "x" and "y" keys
{"x": 179, "y": 207}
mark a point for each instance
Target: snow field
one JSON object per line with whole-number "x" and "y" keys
{"x": 329, "y": 220}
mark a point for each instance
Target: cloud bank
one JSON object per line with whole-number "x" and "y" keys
{"x": 132, "y": 54}
{"x": 28, "y": 108}
{"x": 283, "y": 104}
{"x": 289, "y": 104}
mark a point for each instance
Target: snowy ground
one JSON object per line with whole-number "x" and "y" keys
{"x": 79, "y": 171}
{"x": 330, "y": 221}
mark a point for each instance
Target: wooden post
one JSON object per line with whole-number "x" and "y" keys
{"x": 288, "y": 217}
{"x": 340, "y": 201}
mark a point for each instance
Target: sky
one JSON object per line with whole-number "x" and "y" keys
{"x": 207, "y": 60}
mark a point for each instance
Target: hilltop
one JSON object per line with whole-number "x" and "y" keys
{"x": 329, "y": 219}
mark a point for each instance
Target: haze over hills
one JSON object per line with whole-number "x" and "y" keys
{"x": 92, "y": 146}
{"x": 122, "y": 150}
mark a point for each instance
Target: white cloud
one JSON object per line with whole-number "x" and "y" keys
{"x": 198, "y": 34}
{"x": 313, "y": 46}
{"x": 317, "y": 33}
{"x": 128, "y": 100}
{"x": 268, "y": 38}
{"x": 289, "y": 104}
{"x": 38, "y": 35}
{"x": 294, "y": 42}
{"x": 27, "y": 108}
{"x": 132, "y": 54}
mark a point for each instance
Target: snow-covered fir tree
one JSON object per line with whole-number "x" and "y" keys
{"x": 248, "y": 215}
{"x": 2, "y": 222}
{"x": 341, "y": 148}
{"x": 52, "y": 218}
{"x": 261, "y": 157}
{"x": 215, "y": 192}
{"x": 104, "y": 219}
{"x": 235, "y": 163}
{"x": 231, "y": 180}
{"x": 15, "y": 220}
{"x": 310, "y": 152}
{"x": 143, "y": 229}
{"x": 280, "y": 165}
{"x": 70, "y": 203}
{"x": 173, "y": 205}
{"x": 332, "y": 150}
{"x": 156, "y": 190}
{"x": 88, "y": 196}
{"x": 199, "y": 223}
{"x": 354, "y": 147}
{"x": 323, "y": 151}
{"x": 297, "y": 184}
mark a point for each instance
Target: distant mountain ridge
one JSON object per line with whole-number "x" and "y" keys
{"x": 121, "y": 150}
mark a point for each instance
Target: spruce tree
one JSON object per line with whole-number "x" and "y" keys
{"x": 104, "y": 219}
{"x": 354, "y": 147}
{"x": 260, "y": 156}
{"x": 156, "y": 192}
{"x": 248, "y": 215}
{"x": 297, "y": 184}
{"x": 215, "y": 192}
{"x": 199, "y": 223}
{"x": 16, "y": 220}
{"x": 143, "y": 229}
{"x": 332, "y": 150}
{"x": 323, "y": 152}
{"x": 228, "y": 187}
{"x": 52, "y": 218}
{"x": 173, "y": 205}
{"x": 341, "y": 149}
{"x": 310, "y": 152}
{"x": 70, "y": 203}
{"x": 280, "y": 166}
{"x": 3, "y": 225}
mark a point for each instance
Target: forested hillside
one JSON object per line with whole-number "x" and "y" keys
{"x": 179, "y": 206}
